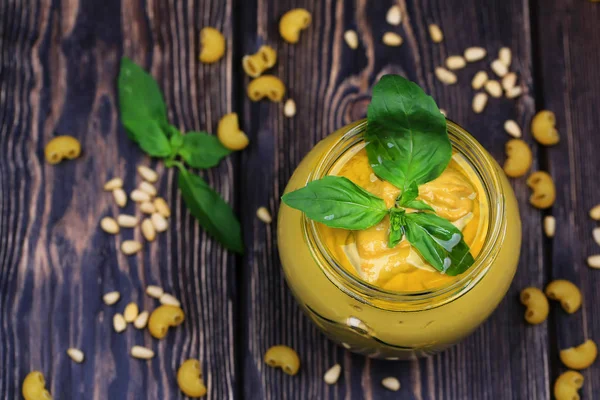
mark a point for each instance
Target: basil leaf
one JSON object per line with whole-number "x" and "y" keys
{"x": 150, "y": 136}
{"x": 419, "y": 205}
{"x": 406, "y": 133}
{"x": 201, "y": 150}
{"x": 396, "y": 228}
{"x": 213, "y": 213}
{"x": 176, "y": 139}
{"x": 408, "y": 194}
{"x": 439, "y": 242}
{"x": 338, "y": 202}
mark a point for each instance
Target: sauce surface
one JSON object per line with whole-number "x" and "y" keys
{"x": 457, "y": 195}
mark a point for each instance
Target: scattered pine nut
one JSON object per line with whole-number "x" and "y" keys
{"x": 111, "y": 298}
{"x": 499, "y": 68}
{"x": 475, "y": 54}
{"x": 147, "y": 208}
{"x": 127, "y": 221}
{"x": 594, "y": 261}
{"x": 159, "y": 222}
{"x": 493, "y": 88}
{"x": 479, "y": 102}
{"x": 549, "y": 226}
{"x": 351, "y": 39}
{"x": 120, "y": 197}
{"x": 289, "y": 108}
{"x": 119, "y": 323}
{"x": 512, "y": 128}
{"x": 509, "y": 81}
{"x": 455, "y": 62}
{"x": 595, "y": 212}
{"x": 141, "y": 352}
{"x": 114, "y": 183}
{"x": 170, "y": 300}
{"x": 109, "y": 225}
{"x": 129, "y": 247}
{"x": 392, "y": 39}
{"x": 139, "y": 196}
{"x": 142, "y": 320}
{"x": 596, "y": 235}
{"x": 479, "y": 80}
{"x": 154, "y": 291}
{"x": 444, "y": 112}
{"x": 436, "y": 34}
{"x": 148, "y": 188}
{"x": 264, "y": 215}
{"x": 148, "y": 174}
{"x": 75, "y": 354}
{"x": 148, "y": 230}
{"x": 391, "y": 383}
{"x": 131, "y": 312}
{"x": 445, "y": 76}
{"x": 333, "y": 374}
{"x": 514, "y": 92}
{"x": 505, "y": 55}
{"x": 394, "y": 16}
{"x": 162, "y": 207}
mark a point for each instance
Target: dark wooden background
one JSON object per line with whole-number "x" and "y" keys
{"x": 58, "y": 65}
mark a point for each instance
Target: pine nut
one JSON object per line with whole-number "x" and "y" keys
{"x": 148, "y": 230}
{"x": 447, "y": 77}
{"x": 493, "y": 88}
{"x": 139, "y": 196}
{"x": 154, "y": 291}
{"x": 114, "y": 183}
{"x": 147, "y": 208}
{"x": 512, "y": 128}
{"x": 392, "y": 39}
{"x": 479, "y": 102}
{"x": 444, "y": 112}
{"x": 142, "y": 320}
{"x": 120, "y": 197}
{"x": 109, "y": 225}
{"x": 119, "y": 323}
{"x": 596, "y": 235}
{"x": 129, "y": 247}
{"x": 148, "y": 174}
{"x": 111, "y": 298}
{"x": 479, "y": 80}
{"x": 509, "y": 81}
{"x": 514, "y": 92}
{"x": 75, "y": 354}
{"x": 127, "y": 221}
{"x": 435, "y": 32}
{"x": 162, "y": 207}
{"x": 289, "y": 108}
{"x": 169, "y": 300}
{"x": 394, "y": 16}
{"x": 148, "y": 188}
{"x": 475, "y": 54}
{"x": 499, "y": 68}
{"x": 333, "y": 374}
{"x": 159, "y": 222}
{"x": 391, "y": 383}
{"x": 505, "y": 55}
{"x": 549, "y": 225}
{"x": 455, "y": 62}
{"x": 131, "y": 312}
{"x": 141, "y": 352}
{"x": 595, "y": 213}
{"x": 264, "y": 215}
{"x": 594, "y": 261}
{"x": 351, "y": 39}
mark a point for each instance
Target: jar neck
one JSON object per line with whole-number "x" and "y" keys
{"x": 484, "y": 169}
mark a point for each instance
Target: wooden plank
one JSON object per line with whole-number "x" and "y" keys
{"x": 59, "y": 66}
{"x": 568, "y": 59}
{"x": 331, "y": 85}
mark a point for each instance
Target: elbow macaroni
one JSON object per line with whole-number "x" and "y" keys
{"x": 283, "y": 357}
{"x": 62, "y": 147}
{"x": 163, "y": 318}
{"x": 189, "y": 379}
{"x": 519, "y": 158}
{"x": 229, "y": 133}
{"x": 255, "y": 64}
{"x": 292, "y": 23}
{"x": 543, "y": 128}
{"x": 34, "y": 387}
{"x": 266, "y": 86}
{"x": 567, "y": 384}
{"x": 213, "y": 45}
{"x": 566, "y": 292}
{"x": 537, "y": 305}
{"x": 544, "y": 192}
{"x": 579, "y": 357}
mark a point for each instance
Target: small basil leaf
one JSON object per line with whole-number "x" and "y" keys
{"x": 338, "y": 202}
{"x": 201, "y": 150}
{"x": 149, "y": 135}
{"x": 408, "y": 194}
{"x": 176, "y": 139}
{"x": 439, "y": 242}
{"x": 213, "y": 213}
{"x": 396, "y": 228}
{"x": 418, "y": 205}
{"x": 406, "y": 133}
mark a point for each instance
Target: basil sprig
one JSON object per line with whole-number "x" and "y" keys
{"x": 407, "y": 145}
{"x": 144, "y": 115}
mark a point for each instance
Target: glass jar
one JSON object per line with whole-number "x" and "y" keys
{"x": 380, "y": 323}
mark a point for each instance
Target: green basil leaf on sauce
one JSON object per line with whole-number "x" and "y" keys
{"x": 213, "y": 213}
{"x": 439, "y": 242}
{"x": 201, "y": 150}
{"x": 396, "y": 227}
{"x": 338, "y": 202}
{"x": 419, "y": 205}
{"x": 406, "y": 133}
{"x": 408, "y": 194}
